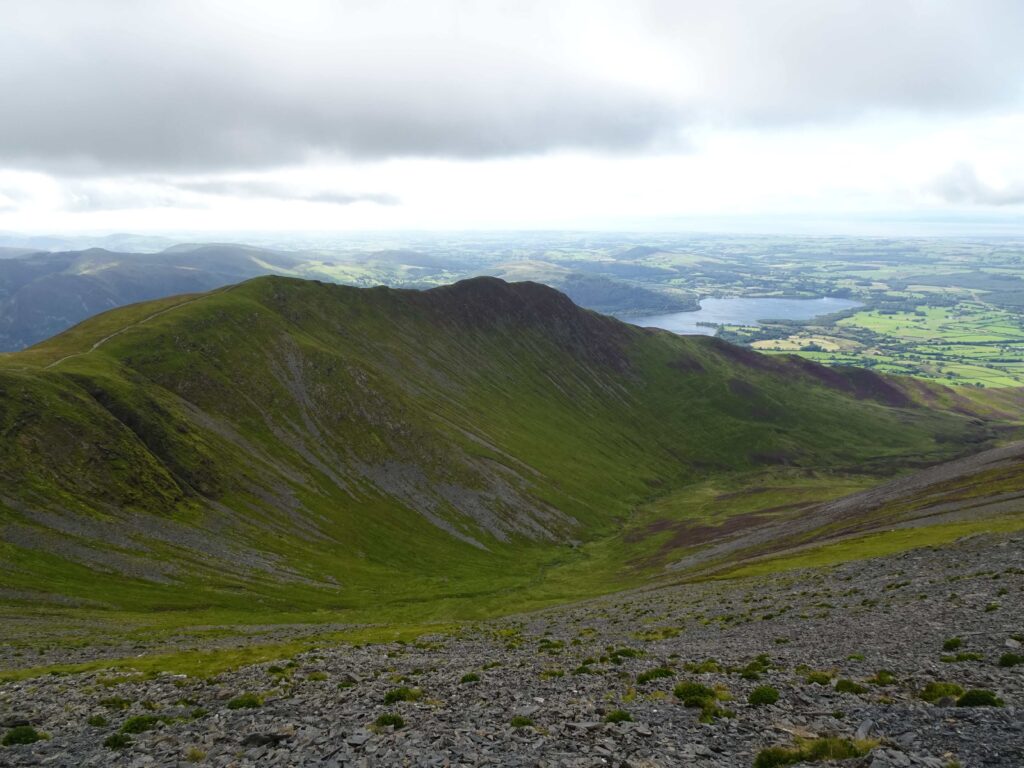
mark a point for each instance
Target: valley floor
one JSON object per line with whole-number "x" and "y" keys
{"x": 543, "y": 689}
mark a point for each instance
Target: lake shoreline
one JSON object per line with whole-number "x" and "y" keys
{"x": 742, "y": 310}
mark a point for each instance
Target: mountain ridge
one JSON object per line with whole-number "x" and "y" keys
{"x": 304, "y": 444}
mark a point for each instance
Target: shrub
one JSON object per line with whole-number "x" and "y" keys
{"x": 653, "y": 674}
{"x": 848, "y": 686}
{"x": 937, "y": 690}
{"x": 117, "y": 741}
{"x": 1011, "y": 659}
{"x": 763, "y": 695}
{"x": 246, "y": 701}
{"x": 694, "y": 694}
{"x": 140, "y": 724}
{"x": 952, "y": 644}
{"x": 979, "y": 697}
{"x": 402, "y": 694}
{"x": 22, "y": 734}
{"x": 754, "y": 669}
{"x": 389, "y": 718}
{"x": 195, "y": 755}
{"x": 883, "y": 677}
{"x": 115, "y": 702}
{"x": 819, "y": 678}
{"x": 316, "y": 676}
{"x": 519, "y": 721}
{"x": 470, "y": 677}
{"x": 97, "y": 720}
{"x": 698, "y": 696}
{"x": 618, "y": 716}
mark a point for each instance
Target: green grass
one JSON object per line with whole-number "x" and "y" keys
{"x": 849, "y": 686}
{"x": 246, "y": 701}
{"x": 979, "y": 697}
{"x": 389, "y": 719}
{"x": 763, "y": 695}
{"x": 117, "y": 741}
{"x": 876, "y": 545}
{"x": 402, "y": 694}
{"x": 938, "y": 689}
{"x": 22, "y": 734}
{"x": 207, "y": 663}
{"x": 812, "y": 750}
{"x": 653, "y": 674}
{"x": 694, "y": 694}
{"x": 618, "y": 716}
{"x": 142, "y": 723}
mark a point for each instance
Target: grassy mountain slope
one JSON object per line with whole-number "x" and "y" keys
{"x": 284, "y": 445}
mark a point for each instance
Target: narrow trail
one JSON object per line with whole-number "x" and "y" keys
{"x": 146, "y": 319}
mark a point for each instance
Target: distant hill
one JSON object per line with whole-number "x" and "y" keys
{"x": 602, "y": 294}
{"x": 44, "y": 293}
{"x": 289, "y": 445}
{"x": 640, "y": 252}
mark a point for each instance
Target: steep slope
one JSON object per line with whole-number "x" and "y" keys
{"x": 978, "y": 493}
{"x": 286, "y": 445}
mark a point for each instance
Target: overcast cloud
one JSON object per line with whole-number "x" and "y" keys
{"x": 209, "y": 89}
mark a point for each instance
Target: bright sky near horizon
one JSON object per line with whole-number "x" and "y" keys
{"x": 638, "y": 114}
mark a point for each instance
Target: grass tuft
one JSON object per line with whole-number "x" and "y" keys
{"x": 22, "y": 734}
{"x": 246, "y": 701}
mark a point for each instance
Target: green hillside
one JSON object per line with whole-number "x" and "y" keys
{"x": 285, "y": 447}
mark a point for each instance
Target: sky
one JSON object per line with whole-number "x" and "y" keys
{"x": 766, "y": 115}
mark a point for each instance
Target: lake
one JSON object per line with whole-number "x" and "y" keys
{"x": 743, "y": 311}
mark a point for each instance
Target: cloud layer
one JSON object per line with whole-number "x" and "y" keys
{"x": 962, "y": 185}
{"x": 129, "y": 87}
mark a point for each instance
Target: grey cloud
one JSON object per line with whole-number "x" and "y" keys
{"x": 194, "y": 86}
{"x": 807, "y": 60}
{"x": 111, "y": 86}
{"x": 962, "y": 185}
{"x": 278, "y": 191}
